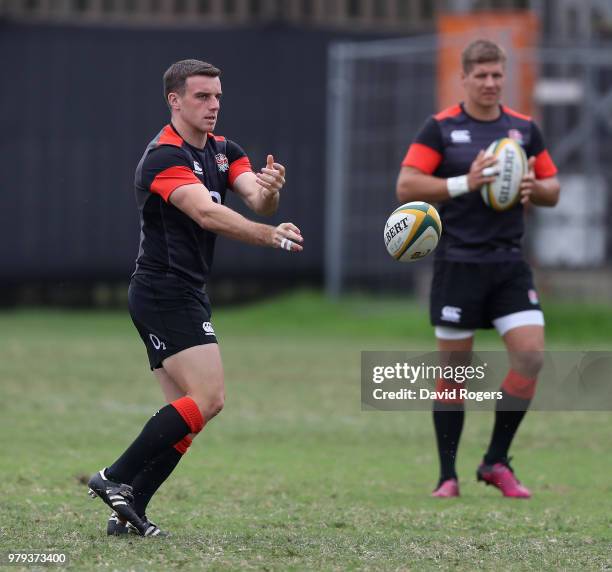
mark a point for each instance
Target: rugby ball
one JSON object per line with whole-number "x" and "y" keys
{"x": 412, "y": 231}
{"x": 503, "y": 193}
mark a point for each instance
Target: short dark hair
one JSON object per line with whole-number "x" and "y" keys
{"x": 481, "y": 52}
{"x": 176, "y": 75}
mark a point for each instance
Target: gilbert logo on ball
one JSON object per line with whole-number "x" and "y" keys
{"x": 412, "y": 231}
{"x": 503, "y": 193}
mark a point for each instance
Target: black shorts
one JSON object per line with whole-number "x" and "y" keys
{"x": 170, "y": 315}
{"x": 470, "y": 295}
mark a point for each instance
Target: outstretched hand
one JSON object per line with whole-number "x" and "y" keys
{"x": 288, "y": 237}
{"x": 271, "y": 178}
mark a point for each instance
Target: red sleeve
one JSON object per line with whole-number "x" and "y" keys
{"x": 422, "y": 157}
{"x": 168, "y": 180}
{"x": 237, "y": 167}
{"x": 544, "y": 166}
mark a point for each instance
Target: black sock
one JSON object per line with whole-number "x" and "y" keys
{"x": 448, "y": 422}
{"x": 163, "y": 430}
{"x": 152, "y": 477}
{"x": 509, "y": 413}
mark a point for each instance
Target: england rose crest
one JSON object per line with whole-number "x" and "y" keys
{"x": 516, "y": 135}
{"x": 222, "y": 162}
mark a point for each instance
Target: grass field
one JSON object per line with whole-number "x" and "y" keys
{"x": 292, "y": 475}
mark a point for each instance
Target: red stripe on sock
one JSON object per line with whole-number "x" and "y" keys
{"x": 183, "y": 444}
{"x": 518, "y": 385}
{"x": 443, "y": 385}
{"x": 190, "y": 412}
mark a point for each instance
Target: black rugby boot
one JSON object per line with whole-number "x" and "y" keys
{"x": 117, "y": 496}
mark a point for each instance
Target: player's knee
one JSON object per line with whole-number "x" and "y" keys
{"x": 528, "y": 363}
{"x": 216, "y": 405}
{"x": 210, "y": 404}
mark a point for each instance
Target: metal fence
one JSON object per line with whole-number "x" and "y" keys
{"x": 380, "y": 93}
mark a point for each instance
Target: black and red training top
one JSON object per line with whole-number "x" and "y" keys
{"x": 446, "y": 146}
{"x": 170, "y": 241}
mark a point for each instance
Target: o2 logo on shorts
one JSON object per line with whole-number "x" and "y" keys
{"x": 533, "y": 296}
{"x": 157, "y": 343}
{"x": 208, "y": 329}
